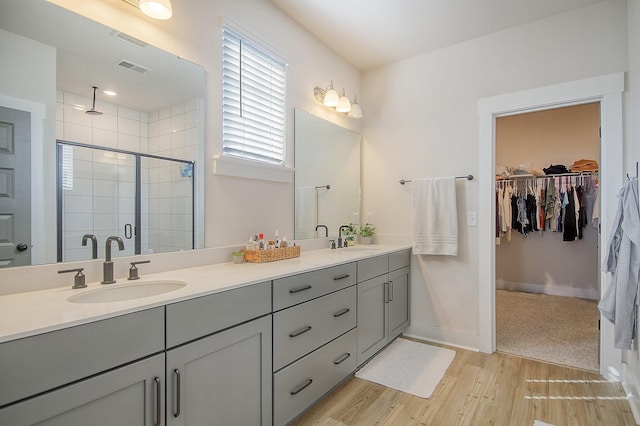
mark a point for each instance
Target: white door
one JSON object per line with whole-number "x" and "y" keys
{"x": 15, "y": 188}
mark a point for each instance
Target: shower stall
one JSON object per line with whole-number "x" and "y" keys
{"x": 148, "y": 200}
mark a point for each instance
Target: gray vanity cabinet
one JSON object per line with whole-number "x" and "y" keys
{"x": 223, "y": 379}
{"x": 383, "y": 301}
{"x": 219, "y": 358}
{"x": 132, "y": 395}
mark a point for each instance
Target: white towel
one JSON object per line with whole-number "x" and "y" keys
{"x": 305, "y": 212}
{"x": 435, "y": 216}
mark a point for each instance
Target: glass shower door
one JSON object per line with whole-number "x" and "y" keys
{"x": 166, "y": 205}
{"x": 96, "y": 191}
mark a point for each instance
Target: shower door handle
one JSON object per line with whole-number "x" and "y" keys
{"x": 127, "y": 231}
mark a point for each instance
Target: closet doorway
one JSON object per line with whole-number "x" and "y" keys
{"x": 546, "y": 255}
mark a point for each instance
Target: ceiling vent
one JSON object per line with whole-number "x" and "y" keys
{"x": 128, "y": 39}
{"x": 132, "y": 66}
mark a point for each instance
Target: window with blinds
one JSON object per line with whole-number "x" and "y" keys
{"x": 253, "y": 101}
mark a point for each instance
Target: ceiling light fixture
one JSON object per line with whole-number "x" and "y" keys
{"x": 157, "y": 9}
{"x": 341, "y": 103}
{"x": 109, "y": 92}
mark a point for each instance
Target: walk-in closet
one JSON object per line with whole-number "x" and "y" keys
{"x": 547, "y": 260}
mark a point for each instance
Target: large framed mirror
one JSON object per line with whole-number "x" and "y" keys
{"x": 327, "y": 176}
{"x": 52, "y": 59}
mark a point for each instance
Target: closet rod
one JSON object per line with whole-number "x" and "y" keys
{"x": 467, "y": 177}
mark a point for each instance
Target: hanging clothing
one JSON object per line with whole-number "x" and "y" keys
{"x": 619, "y": 303}
{"x": 569, "y": 232}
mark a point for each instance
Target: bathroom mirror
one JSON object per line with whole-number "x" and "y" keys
{"x": 51, "y": 59}
{"x": 327, "y": 177}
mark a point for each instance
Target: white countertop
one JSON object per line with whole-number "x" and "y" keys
{"x": 31, "y": 313}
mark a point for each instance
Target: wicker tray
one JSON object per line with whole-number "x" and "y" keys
{"x": 271, "y": 255}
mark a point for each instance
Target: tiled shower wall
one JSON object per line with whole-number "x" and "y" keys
{"x": 102, "y": 199}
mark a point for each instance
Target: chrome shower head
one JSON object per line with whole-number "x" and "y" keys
{"x": 93, "y": 110}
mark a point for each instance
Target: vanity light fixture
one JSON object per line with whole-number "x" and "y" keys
{"x": 356, "y": 111}
{"x": 341, "y": 103}
{"x": 157, "y": 9}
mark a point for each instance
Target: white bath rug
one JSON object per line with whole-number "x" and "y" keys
{"x": 409, "y": 367}
{"x": 539, "y": 423}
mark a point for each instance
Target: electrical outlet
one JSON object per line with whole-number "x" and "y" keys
{"x": 472, "y": 219}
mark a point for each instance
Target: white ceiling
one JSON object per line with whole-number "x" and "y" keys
{"x": 371, "y": 33}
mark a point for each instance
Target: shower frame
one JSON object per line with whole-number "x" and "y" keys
{"x": 138, "y": 191}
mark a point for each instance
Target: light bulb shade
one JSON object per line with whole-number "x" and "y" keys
{"x": 157, "y": 9}
{"x": 331, "y": 98}
{"x": 356, "y": 111}
{"x": 343, "y": 105}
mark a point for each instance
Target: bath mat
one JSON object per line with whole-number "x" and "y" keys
{"x": 539, "y": 423}
{"x": 409, "y": 367}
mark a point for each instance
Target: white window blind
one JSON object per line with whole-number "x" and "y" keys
{"x": 253, "y": 101}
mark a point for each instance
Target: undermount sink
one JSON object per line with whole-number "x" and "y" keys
{"x": 120, "y": 292}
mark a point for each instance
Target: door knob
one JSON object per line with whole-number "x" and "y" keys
{"x": 22, "y": 247}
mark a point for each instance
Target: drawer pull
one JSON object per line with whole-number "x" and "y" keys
{"x": 301, "y": 387}
{"x": 176, "y": 413}
{"x": 341, "y": 313}
{"x": 299, "y": 332}
{"x": 300, "y": 289}
{"x": 158, "y": 419}
{"x": 341, "y": 277}
{"x": 342, "y": 358}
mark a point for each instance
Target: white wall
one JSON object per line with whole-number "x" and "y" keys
{"x": 422, "y": 121}
{"x": 237, "y": 207}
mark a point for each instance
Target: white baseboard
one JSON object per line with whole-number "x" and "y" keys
{"x": 632, "y": 390}
{"x": 552, "y": 289}
{"x": 443, "y": 336}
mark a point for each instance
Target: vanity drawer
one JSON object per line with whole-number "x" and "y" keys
{"x": 296, "y": 289}
{"x": 195, "y": 318}
{"x": 302, "y": 383}
{"x": 35, "y": 364}
{"x": 372, "y": 267}
{"x": 305, "y": 327}
{"x": 399, "y": 259}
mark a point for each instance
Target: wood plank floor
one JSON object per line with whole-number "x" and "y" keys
{"x": 481, "y": 389}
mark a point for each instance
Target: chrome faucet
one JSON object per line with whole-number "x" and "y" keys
{"x": 107, "y": 266}
{"x": 326, "y": 230}
{"x": 94, "y": 244}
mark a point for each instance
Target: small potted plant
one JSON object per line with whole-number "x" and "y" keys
{"x": 350, "y": 234}
{"x": 367, "y": 232}
{"x": 237, "y": 256}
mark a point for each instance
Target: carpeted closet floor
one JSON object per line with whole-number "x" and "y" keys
{"x": 557, "y": 329}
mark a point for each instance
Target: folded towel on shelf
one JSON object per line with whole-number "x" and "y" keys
{"x": 435, "y": 216}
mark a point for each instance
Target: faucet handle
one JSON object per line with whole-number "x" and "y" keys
{"x": 78, "y": 280}
{"x": 133, "y": 270}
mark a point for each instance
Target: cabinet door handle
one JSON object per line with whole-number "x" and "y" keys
{"x": 301, "y": 387}
{"x": 299, "y": 332}
{"x": 390, "y": 291}
{"x": 341, "y": 312}
{"x": 342, "y": 358}
{"x": 176, "y": 413}
{"x": 386, "y": 292}
{"x": 158, "y": 419}
{"x": 341, "y": 277}
{"x": 300, "y": 289}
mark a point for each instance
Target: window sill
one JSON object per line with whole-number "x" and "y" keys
{"x": 248, "y": 169}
